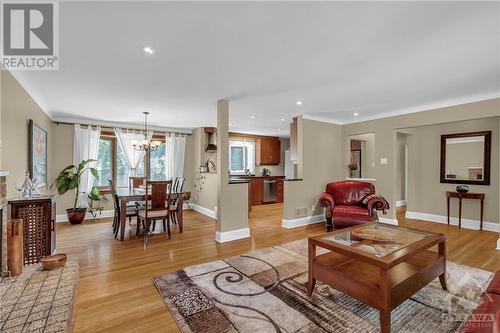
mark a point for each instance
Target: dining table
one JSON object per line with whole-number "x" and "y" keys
{"x": 126, "y": 195}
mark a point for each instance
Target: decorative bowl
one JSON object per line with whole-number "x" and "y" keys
{"x": 462, "y": 188}
{"x": 53, "y": 262}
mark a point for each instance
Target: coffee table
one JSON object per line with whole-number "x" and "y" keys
{"x": 381, "y": 273}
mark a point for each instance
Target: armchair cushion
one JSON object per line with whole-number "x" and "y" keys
{"x": 350, "y": 210}
{"x": 350, "y": 193}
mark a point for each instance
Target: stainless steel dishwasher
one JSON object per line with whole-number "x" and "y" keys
{"x": 270, "y": 190}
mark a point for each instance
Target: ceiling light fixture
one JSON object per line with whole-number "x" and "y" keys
{"x": 148, "y": 50}
{"x": 282, "y": 119}
{"x": 355, "y": 114}
{"x": 253, "y": 117}
{"x": 299, "y": 102}
{"x": 145, "y": 144}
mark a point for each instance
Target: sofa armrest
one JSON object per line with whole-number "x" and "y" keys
{"x": 326, "y": 200}
{"x": 377, "y": 203}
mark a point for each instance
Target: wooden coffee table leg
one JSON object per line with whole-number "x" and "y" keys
{"x": 442, "y": 253}
{"x": 385, "y": 301}
{"x": 311, "y": 282}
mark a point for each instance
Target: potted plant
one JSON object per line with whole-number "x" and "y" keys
{"x": 69, "y": 179}
{"x": 94, "y": 199}
{"x": 352, "y": 169}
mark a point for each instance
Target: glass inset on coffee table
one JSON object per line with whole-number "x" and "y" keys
{"x": 377, "y": 239}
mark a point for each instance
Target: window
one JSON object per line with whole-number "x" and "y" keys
{"x": 122, "y": 169}
{"x": 104, "y": 163}
{"x": 241, "y": 157}
{"x": 112, "y": 164}
{"x": 157, "y": 163}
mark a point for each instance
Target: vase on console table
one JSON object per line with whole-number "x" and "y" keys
{"x": 462, "y": 188}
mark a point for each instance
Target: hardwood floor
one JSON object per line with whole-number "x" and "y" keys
{"x": 116, "y": 293}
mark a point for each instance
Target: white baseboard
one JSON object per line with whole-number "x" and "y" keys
{"x": 400, "y": 203}
{"x": 302, "y": 221}
{"x": 498, "y": 244}
{"x": 466, "y": 223}
{"x": 88, "y": 216}
{"x": 204, "y": 211}
{"x": 105, "y": 214}
{"x": 388, "y": 221}
{"x": 227, "y": 236}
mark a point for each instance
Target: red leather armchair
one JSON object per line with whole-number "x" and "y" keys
{"x": 349, "y": 203}
{"x": 486, "y": 317}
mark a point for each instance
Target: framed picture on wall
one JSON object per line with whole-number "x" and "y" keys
{"x": 37, "y": 150}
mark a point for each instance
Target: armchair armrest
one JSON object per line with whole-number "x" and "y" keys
{"x": 377, "y": 203}
{"x": 326, "y": 200}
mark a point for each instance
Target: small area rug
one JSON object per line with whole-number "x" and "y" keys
{"x": 265, "y": 291}
{"x": 39, "y": 300}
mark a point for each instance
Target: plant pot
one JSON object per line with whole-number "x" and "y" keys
{"x": 76, "y": 216}
{"x": 352, "y": 173}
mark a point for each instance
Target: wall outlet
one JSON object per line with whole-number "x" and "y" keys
{"x": 383, "y": 161}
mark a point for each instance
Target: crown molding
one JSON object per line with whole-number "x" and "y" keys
{"x": 111, "y": 124}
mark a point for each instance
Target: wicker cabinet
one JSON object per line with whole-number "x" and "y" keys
{"x": 39, "y": 217}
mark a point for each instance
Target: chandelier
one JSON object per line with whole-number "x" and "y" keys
{"x": 145, "y": 144}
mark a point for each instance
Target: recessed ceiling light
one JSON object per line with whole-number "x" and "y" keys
{"x": 253, "y": 117}
{"x": 299, "y": 102}
{"x": 355, "y": 114}
{"x": 148, "y": 50}
{"x": 282, "y": 119}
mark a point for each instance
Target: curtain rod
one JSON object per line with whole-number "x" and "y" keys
{"x": 127, "y": 127}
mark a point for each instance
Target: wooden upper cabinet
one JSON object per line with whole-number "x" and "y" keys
{"x": 294, "y": 156}
{"x": 267, "y": 151}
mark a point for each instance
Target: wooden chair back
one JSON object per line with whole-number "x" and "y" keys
{"x": 134, "y": 182}
{"x": 116, "y": 204}
{"x": 180, "y": 184}
{"x": 157, "y": 194}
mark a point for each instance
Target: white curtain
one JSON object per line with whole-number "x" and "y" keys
{"x": 85, "y": 146}
{"x": 126, "y": 138}
{"x": 175, "y": 148}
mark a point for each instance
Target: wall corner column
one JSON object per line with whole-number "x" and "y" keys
{"x": 232, "y": 199}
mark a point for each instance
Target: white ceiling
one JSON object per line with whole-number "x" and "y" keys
{"x": 373, "y": 58}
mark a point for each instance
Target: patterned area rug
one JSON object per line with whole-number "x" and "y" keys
{"x": 265, "y": 291}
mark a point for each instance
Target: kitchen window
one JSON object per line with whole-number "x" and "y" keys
{"x": 241, "y": 157}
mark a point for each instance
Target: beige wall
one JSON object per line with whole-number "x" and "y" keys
{"x": 320, "y": 161}
{"x": 385, "y": 132}
{"x": 17, "y": 108}
{"x": 426, "y": 195}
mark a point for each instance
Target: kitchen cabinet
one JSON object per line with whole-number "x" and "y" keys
{"x": 267, "y": 151}
{"x": 280, "y": 189}
{"x": 257, "y": 191}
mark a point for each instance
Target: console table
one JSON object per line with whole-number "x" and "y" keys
{"x": 460, "y": 196}
{"x": 39, "y": 217}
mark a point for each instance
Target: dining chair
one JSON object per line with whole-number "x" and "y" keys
{"x": 132, "y": 210}
{"x": 134, "y": 182}
{"x": 174, "y": 210}
{"x": 157, "y": 206}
